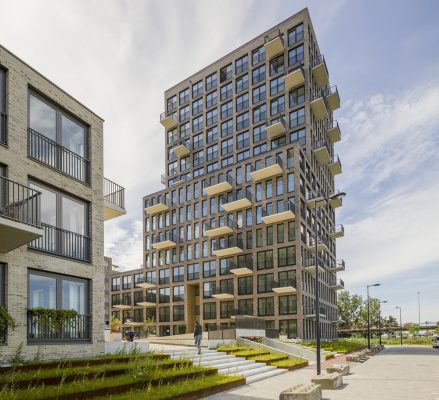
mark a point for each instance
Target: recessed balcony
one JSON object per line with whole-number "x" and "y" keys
{"x": 219, "y": 184}
{"x": 334, "y": 134}
{"x": 284, "y": 286}
{"x": 164, "y": 241}
{"x": 320, "y": 71}
{"x": 335, "y": 166}
{"x": 273, "y": 46}
{"x": 338, "y": 285}
{"x": 276, "y": 128}
{"x": 228, "y": 248}
{"x": 337, "y": 266}
{"x": 333, "y": 98}
{"x": 318, "y": 107}
{"x": 294, "y": 79}
{"x": 321, "y": 152}
{"x": 242, "y": 268}
{"x": 114, "y": 200}
{"x": 336, "y": 231}
{"x": 224, "y": 292}
{"x": 336, "y": 199}
{"x": 240, "y": 201}
{"x": 285, "y": 212}
{"x": 182, "y": 149}
{"x": 162, "y": 205}
{"x": 149, "y": 301}
{"x": 322, "y": 245}
{"x": 168, "y": 120}
{"x": 272, "y": 168}
{"x": 219, "y": 227}
{"x": 309, "y": 265}
{"x": 20, "y": 221}
{"x": 310, "y": 312}
{"x": 315, "y": 200}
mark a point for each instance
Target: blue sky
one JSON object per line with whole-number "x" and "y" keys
{"x": 118, "y": 57}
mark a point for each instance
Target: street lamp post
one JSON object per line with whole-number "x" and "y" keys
{"x": 419, "y": 311}
{"x": 317, "y": 286}
{"x": 400, "y": 322}
{"x": 379, "y": 325}
{"x": 368, "y": 314}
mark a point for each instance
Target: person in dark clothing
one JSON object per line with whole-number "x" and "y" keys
{"x": 198, "y": 335}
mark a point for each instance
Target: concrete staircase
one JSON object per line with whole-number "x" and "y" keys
{"x": 228, "y": 364}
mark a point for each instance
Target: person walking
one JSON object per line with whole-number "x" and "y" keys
{"x": 198, "y": 335}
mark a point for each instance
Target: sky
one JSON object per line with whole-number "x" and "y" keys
{"x": 118, "y": 57}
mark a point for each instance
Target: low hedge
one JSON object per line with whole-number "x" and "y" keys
{"x": 269, "y": 358}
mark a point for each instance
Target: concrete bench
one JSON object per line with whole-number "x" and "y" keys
{"x": 355, "y": 357}
{"x": 339, "y": 368}
{"x": 328, "y": 381}
{"x": 302, "y": 392}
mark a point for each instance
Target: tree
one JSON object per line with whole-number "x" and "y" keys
{"x": 436, "y": 331}
{"x": 414, "y": 329}
{"x": 348, "y": 309}
{"x": 149, "y": 325}
{"x": 390, "y": 321}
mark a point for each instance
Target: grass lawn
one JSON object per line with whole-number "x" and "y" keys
{"x": 250, "y": 352}
{"x": 338, "y": 346}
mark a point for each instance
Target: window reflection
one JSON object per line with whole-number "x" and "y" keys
{"x": 42, "y": 291}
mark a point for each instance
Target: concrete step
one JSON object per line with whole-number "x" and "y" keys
{"x": 265, "y": 375}
{"x": 262, "y": 369}
{"x": 246, "y": 370}
{"x": 244, "y": 365}
{"x": 219, "y": 363}
{"x": 190, "y": 351}
{"x": 211, "y": 360}
{"x": 232, "y": 365}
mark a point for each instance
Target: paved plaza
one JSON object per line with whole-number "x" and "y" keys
{"x": 394, "y": 374}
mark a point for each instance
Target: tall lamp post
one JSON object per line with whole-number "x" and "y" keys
{"x": 368, "y": 313}
{"x": 419, "y": 311}
{"x": 379, "y": 325}
{"x": 317, "y": 286}
{"x": 400, "y": 322}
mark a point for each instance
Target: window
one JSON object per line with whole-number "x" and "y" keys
{"x": 184, "y": 96}
{"x": 193, "y": 271}
{"x": 126, "y": 282}
{"x": 226, "y": 309}
{"x": 208, "y": 289}
{"x": 226, "y": 91}
{"x": 242, "y": 121}
{"x": 184, "y": 113}
{"x": 277, "y": 65}
{"x": 286, "y": 256}
{"x": 290, "y": 182}
{"x": 265, "y": 306}
{"x": 171, "y": 104}
{"x": 178, "y": 293}
{"x": 242, "y": 102}
{"x": 288, "y": 327}
{"x": 209, "y": 310}
{"x": 151, "y": 277}
{"x": 227, "y": 128}
{"x": 212, "y": 135}
{"x": 211, "y": 117}
{"x": 242, "y": 83}
{"x": 258, "y": 94}
{"x": 259, "y": 113}
{"x": 49, "y": 127}
{"x": 243, "y": 155}
{"x": 227, "y": 146}
{"x": 298, "y": 136}
{"x": 265, "y": 259}
{"x": 258, "y": 55}
{"x": 164, "y": 315}
{"x": 241, "y": 64}
{"x": 178, "y": 274}
{"x": 295, "y": 34}
{"x": 164, "y": 276}
{"x": 3, "y": 138}
{"x": 245, "y": 285}
{"x": 259, "y": 149}
{"x": 259, "y": 133}
{"x": 197, "y": 106}
{"x": 297, "y": 117}
{"x": 164, "y": 295}
{"x": 212, "y": 152}
{"x": 226, "y": 73}
{"x": 277, "y": 105}
{"x": 115, "y": 284}
{"x": 225, "y": 266}
{"x": 291, "y": 231}
{"x": 65, "y": 223}
{"x": 245, "y": 307}
{"x": 211, "y": 99}
{"x": 197, "y": 89}
{"x": 209, "y": 269}
{"x": 295, "y": 55}
{"x": 178, "y": 313}
{"x": 258, "y": 74}
{"x": 211, "y": 81}
{"x": 297, "y": 97}
{"x": 277, "y": 85}
{"x": 226, "y": 109}
{"x": 197, "y": 123}
{"x": 242, "y": 140}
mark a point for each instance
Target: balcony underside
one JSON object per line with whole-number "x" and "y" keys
{"x": 265, "y": 173}
{"x": 231, "y": 251}
{"x": 132, "y": 324}
{"x": 318, "y": 108}
{"x": 122, "y": 307}
{"x": 313, "y": 316}
{"x": 285, "y": 290}
{"x": 334, "y": 134}
{"x": 318, "y": 202}
{"x": 336, "y": 234}
{"x": 320, "y": 247}
{"x": 157, "y": 208}
{"x": 338, "y": 268}
{"x": 335, "y": 168}
{"x": 181, "y": 150}
{"x": 279, "y": 217}
{"x": 275, "y": 130}
{"x": 320, "y": 74}
{"x": 336, "y": 202}
{"x": 333, "y": 101}
{"x": 338, "y": 286}
{"x": 237, "y": 205}
{"x": 218, "y": 188}
{"x": 146, "y": 304}
{"x": 169, "y": 122}
{"x": 147, "y": 285}
{"x": 294, "y": 79}
{"x": 166, "y": 244}
{"x": 322, "y": 155}
{"x": 241, "y": 271}
{"x": 311, "y": 269}
{"x": 223, "y": 230}
{"x": 223, "y": 296}
{"x": 274, "y": 47}
{"x": 112, "y": 211}
{"x": 14, "y": 234}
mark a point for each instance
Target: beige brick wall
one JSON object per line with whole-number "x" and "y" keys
{"x": 21, "y": 77}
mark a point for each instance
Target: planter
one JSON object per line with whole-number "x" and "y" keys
{"x": 202, "y": 393}
{"x": 293, "y": 367}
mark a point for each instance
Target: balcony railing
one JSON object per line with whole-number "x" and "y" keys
{"x": 73, "y": 329}
{"x": 63, "y": 243}
{"x": 239, "y": 312}
{"x": 219, "y": 227}
{"x": 114, "y": 193}
{"x": 123, "y": 302}
{"x": 223, "y": 292}
{"x": 50, "y": 153}
{"x": 228, "y": 247}
{"x": 311, "y": 311}
{"x": 337, "y": 266}
{"x": 334, "y": 134}
{"x": 336, "y": 231}
{"x": 320, "y": 70}
{"x": 218, "y": 184}
{"x": 3, "y": 128}
{"x": 309, "y": 264}
{"x": 267, "y": 168}
{"x": 322, "y": 244}
{"x": 284, "y": 286}
{"x": 283, "y": 211}
{"x": 239, "y": 200}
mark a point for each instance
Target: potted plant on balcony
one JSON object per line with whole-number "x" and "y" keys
{"x": 148, "y": 326}
{"x": 6, "y": 320}
{"x": 115, "y": 333}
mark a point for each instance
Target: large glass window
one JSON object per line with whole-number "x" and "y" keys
{"x": 295, "y": 55}
{"x": 265, "y": 306}
{"x": 295, "y": 34}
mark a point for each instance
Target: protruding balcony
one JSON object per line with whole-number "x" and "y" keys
{"x": 219, "y": 184}
{"x": 276, "y": 128}
{"x": 20, "y": 208}
{"x": 221, "y": 227}
{"x": 318, "y": 106}
{"x": 338, "y": 285}
{"x": 284, "y": 286}
{"x": 114, "y": 200}
{"x": 320, "y": 71}
{"x": 322, "y": 244}
{"x": 334, "y": 134}
{"x": 333, "y": 98}
{"x": 335, "y": 165}
{"x": 161, "y": 206}
{"x": 336, "y": 199}
{"x": 147, "y": 284}
{"x": 243, "y": 268}
{"x": 182, "y": 149}
{"x": 168, "y": 120}
{"x": 336, "y": 231}
{"x": 309, "y": 265}
{"x": 164, "y": 241}
{"x": 310, "y": 312}
{"x": 315, "y": 200}
{"x": 337, "y": 266}
{"x": 223, "y": 292}
{"x": 123, "y": 304}
{"x": 241, "y": 200}
{"x": 285, "y": 212}
{"x": 149, "y": 301}
{"x": 243, "y": 312}
{"x": 321, "y": 152}
{"x": 228, "y": 248}
{"x": 294, "y": 78}
{"x": 274, "y": 45}
{"x": 273, "y": 167}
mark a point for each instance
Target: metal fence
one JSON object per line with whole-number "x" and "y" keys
{"x": 114, "y": 193}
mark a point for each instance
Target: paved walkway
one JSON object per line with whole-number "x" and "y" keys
{"x": 407, "y": 373}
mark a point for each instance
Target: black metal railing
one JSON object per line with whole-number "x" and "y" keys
{"x": 337, "y": 229}
{"x": 320, "y": 241}
{"x": 281, "y": 283}
{"x": 223, "y": 289}
{"x": 239, "y": 195}
{"x": 122, "y": 301}
{"x": 335, "y": 159}
{"x": 318, "y": 144}
{"x": 227, "y": 243}
{"x": 268, "y": 162}
{"x": 319, "y": 60}
{"x": 246, "y": 263}
{"x": 338, "y": 282}
{"x": 311, "y": 262}
{"x": 333, "y": 125}
{"x": 338, "y": 264}
{"x": 168, "y": 114}
{"x": 149, "y": 298}
{"x": 272, "y": 36}
{"x": 219, "y": 223}
{"x": 63, "y": 243}
{"x": 146, "y": 280}
{"x": 50, "y": 153}
{"x": 315, "y": 194}
{"x": 20, "y": 203}
{"x": 331, "y": 90}
{"x": 244, "y": 289}
{"x": 311, "y": 310}
{"x": 286, "y": 205}
{"x": 3, "y": 128}
{"x": 114, "y": 193}
{"x": 243, "y": 311}
{"x": 73, "y": 329}
{"x": 216, "y": 179}
{"x": 162, "y": 236}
